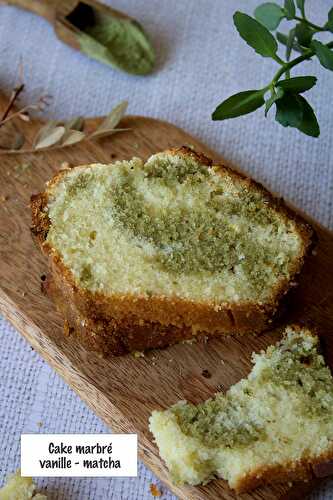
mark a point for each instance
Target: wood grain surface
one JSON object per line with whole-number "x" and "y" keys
{"x": 124, "y": 390}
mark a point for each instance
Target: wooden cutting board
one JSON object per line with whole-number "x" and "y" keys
{"x": 124, "y": 390}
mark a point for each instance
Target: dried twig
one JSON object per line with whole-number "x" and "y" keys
{"x": 39, "y": 105}
{"x": 87, "y": 138}
{"x": 13, "y": 98}
{"x": 53, "y": 135}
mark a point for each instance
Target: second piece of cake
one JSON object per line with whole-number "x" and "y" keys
{"x": 275, "y": 425}
{"x": 147, "y": 254}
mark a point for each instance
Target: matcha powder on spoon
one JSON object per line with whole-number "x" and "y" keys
{"x": 113, "y": 38}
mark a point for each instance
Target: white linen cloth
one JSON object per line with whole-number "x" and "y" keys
{"x": 201, "y": 61}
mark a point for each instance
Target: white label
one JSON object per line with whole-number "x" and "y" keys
{"x": 79, "y": 455}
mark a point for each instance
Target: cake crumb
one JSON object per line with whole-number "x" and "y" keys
{"x": 189, "y": 341}
{"x": 138, "y": 354}
{"x": 155, "y": 491}
{"x": 247, "y": 418}
{"x": 22, "y": 488}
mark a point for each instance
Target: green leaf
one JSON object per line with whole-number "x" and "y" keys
{"x": 282, "y": 38}
{"x": 290, "y": 9}
{"x": 289, "y": 111}
{"x": 274, "y": 97}
{"x": 270, "y": 15}
{"x": 324, "y": 54}
{"x": 255, "y": 35}
{"x": 329, "y": 24}
{"x": 239, "y": 104}
{"x": 292, "y": 110}
{"x": 298, "y": 84}
{"x": 309, "y": 124}
{"x": 304, "y": 34}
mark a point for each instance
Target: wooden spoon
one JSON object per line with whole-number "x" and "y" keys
{"x": 97, "y": 30}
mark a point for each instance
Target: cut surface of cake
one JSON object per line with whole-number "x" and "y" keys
{"x": 173, "y": 241}
{"x": 275, "y": 425}
{"x": 20, "y": 488}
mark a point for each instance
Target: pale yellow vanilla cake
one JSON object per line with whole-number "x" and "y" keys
{"x": 20, "y": 488}
{"x": 144, "y": 254}
{"x": 275, "y": 425}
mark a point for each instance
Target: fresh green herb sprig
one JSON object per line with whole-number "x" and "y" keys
{"x": 283, "y": 91}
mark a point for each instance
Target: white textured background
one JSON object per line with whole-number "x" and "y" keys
{"x": 201, "y": 60}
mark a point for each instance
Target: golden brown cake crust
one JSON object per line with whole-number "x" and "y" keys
{"x": 112, "y": 336}
{"x": 158, "y": 320}
{"x": 303, "y": 470}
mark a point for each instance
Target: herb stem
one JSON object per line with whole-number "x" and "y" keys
{"x": 15, "y": 114}
{"x": 88, "y": 138}
{"x": 24, "y": 151}
{"x": 309, "y": 23}
{"x": 279, "y": 60}
{"x": 289, "y": 65}
{"x": 303, "y": 12}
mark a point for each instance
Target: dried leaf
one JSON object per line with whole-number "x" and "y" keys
{"x": 53, "y": 138}
{"x": 54, "y": 133}
{"x": 76, "y": 123}
{"x": 112, "y": 119}
{"x": 73, "y": 137}
{"x": 44, "y": 131}
{"x": 99, "y": 134}
{"x": 10, "y": 137}
{"x": 18, "y": 141}
{"x": 24, "y": 117}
